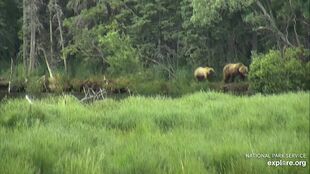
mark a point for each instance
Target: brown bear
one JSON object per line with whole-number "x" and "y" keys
{"x": 232, "y": 70}
{"x": 202, "y": 73}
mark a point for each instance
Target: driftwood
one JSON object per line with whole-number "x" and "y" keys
{"x": 28, "y": 99}
{"x": 4, "y": 84}
{"x": 91, "y": 95}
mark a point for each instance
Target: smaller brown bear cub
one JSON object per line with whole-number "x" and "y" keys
{"x": 203, "y": 73}
{"x": 233, "y": 70}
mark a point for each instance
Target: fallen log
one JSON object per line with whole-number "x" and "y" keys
{"x": 236, "y": 88}
{"x": 4, "y": 84}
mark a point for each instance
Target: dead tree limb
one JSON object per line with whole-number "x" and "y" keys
{"x": 91, "y": 95}
{"x": 11, "y": 74}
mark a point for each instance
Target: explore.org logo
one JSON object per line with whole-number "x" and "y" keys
{"x": 281, "y": 159}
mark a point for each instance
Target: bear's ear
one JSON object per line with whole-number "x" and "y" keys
{"x": 211, "y": 71}
{"x": 243, "y": 70}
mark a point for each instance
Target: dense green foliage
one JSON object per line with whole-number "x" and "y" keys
{"x": 272, "y": 72}
{"x": 9, "y": 28}
{"x": 277, "y": 20}
{"x": 121, "y": 56}
{"x": 198, "y": 133}
{"x": 81, "y": 37}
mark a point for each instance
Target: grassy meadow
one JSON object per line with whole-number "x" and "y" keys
{"x": 204, "y": 132}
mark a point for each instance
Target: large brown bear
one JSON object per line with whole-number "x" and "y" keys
{"x": 232, "y": 70}
{"x": 203, "y": 73}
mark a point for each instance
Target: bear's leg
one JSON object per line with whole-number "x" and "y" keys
{"x": 242, "y": 77}
{"x": 232, "y": 78}
{"x": 200, "y": 78}
{"x": 226, "y": 78}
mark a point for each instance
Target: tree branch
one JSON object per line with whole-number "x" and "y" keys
{"x": 273, "y": 24}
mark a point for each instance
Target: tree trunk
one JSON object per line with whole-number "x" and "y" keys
{"x": 51, "y": 36}
{"x": 32, "y": 55}
{"x": 58, "y": 11}
{"x": 47, "y": 64}
{"x": 254, "y": 42}
{"x": 25, "y": 38}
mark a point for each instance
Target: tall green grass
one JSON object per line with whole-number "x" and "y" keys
{"x": 199, "y": 133}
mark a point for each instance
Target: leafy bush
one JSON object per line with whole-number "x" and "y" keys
{"x": 34, "y": 84}
{"x": 121, "y": 56}
{"x": 272, "y": 73}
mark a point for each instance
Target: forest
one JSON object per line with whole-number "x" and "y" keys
{"x": 154, "y": 86}
{"x": 152, "y": 47}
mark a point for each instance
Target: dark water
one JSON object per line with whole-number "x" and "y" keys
{"x": 19, "y": 95}
{"x": 4, "y": 95}
{"x": 15, "y": 95}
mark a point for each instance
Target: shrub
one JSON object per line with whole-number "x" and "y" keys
{"x": 34, "y": 84}
{"x": 271, "y": 73}
{"x": 121, "y": 56}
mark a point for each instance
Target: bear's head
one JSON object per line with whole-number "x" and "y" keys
{"x": 210, "y": 73}
{"x": 243, "y": 70}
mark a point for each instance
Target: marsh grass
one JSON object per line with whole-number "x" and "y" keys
{"x": 205, "y": 132}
